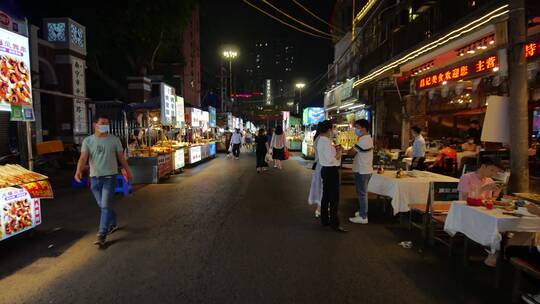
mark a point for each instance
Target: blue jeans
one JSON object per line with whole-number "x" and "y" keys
{"x": 362, "y": 181}
{"x": 103, "y": 189}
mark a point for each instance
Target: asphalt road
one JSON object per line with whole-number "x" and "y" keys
{"x": 221, "y": 233}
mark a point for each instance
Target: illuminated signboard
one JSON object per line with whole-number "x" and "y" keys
{"x": 180, "y": 115}
{"x": 195, "y": 154}
{"x": 212, "y": 147}
{"x": 532, "y": 49}
{"x": 268, "y": 91}
{"x": 476, "y": 68}
{"x": 168, "y": 105}
{"x": 179, "y": 161}
{"x": 15, "y": 82}
{"x": 212, "y": 113}
{"x": 312, "y": 115}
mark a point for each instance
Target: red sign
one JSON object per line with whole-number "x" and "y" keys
{"x": 5, "y": 20}
{"x": 39, "y": 189}
{"x": 532, "y": 49}
{"x": 478, "y": 67}
{"x": 164, "y": 165}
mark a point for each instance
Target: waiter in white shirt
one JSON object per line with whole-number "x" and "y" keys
{"x": 236, "y": 143}
{"x": 330, "y": 161}
{"x": 362, "y": 168}
{"x": 418, "y": 149}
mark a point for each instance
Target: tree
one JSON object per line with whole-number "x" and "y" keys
{"x": 123, "y": 40}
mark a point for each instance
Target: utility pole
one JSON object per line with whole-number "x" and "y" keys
{"x": 518, "y": 109}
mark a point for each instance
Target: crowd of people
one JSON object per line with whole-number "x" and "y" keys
{"x": 269, "y": 147}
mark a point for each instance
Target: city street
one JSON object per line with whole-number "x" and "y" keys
{"x": 221, "y": 233}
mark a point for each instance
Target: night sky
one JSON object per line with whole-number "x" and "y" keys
{"x": 234, "y": 22}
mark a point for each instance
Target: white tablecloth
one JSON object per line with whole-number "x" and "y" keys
{"x": 405, "y": 190}
{"x": 485, "y": 226}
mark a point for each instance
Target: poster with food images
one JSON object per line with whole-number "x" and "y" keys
{"x": 15, "y": 81}
{"x": 17, "y": 212}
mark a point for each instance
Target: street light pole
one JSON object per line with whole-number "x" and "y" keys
{"x": 230, "y": 55}
{"x": 300, "y": 86}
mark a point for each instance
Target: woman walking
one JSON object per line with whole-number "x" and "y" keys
{"x": 329, "y": 158}
{"x": 260, "y": 141}
{"x": 316, "y": 189}
{"x": 278, "y": 144}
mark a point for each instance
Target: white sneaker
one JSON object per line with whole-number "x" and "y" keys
{"x": 357, "y": 214}
{"x": 358, "y": 220}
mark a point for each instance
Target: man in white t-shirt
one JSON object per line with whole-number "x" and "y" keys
{"x": 362, "y": 168}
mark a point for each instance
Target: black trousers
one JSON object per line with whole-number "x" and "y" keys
{"x": 418, "y": 163}
{"x": 236, "y": 150}
{"x": 261, "y": 154}
{"x": 330, "y": 177}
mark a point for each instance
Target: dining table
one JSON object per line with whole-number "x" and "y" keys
{"x": 489, "y": 228}
{"x": 411, "y": 188}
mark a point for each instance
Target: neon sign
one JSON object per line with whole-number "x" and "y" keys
{"x": 532, "y": 49}
{"x": 478, "y": 67}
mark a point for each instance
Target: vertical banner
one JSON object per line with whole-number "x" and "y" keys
{"x": 15, "y": 79}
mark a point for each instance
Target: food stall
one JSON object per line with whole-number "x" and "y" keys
{"x": 311, "y": 117}
{"x": 155, "y": 153}
{"x": 200, "y": 137}
{"x": 21, "y": 191}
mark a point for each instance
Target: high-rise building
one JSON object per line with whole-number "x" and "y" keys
{"x": 191, "y": 49}
{"x": 275, "y": 60}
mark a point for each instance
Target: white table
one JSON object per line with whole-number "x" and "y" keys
{"x": 405, "y": 190}
{"x": 484, "y": 226}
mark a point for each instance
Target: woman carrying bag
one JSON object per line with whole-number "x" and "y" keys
{"x": 278, "y": 146}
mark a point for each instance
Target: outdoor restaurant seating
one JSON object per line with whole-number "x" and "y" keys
{"x": 433, "y": 213}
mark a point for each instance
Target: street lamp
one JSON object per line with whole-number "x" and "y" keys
{"x": 300, "y": 86}
{"x": 230, "y": 55}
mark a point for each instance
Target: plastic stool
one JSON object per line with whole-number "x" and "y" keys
{"x": 122, "y": 185}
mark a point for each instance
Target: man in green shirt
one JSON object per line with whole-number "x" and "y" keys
{"x": 104, "y": 151}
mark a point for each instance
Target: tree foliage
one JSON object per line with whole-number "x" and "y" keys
{"x": 124, "y": 38}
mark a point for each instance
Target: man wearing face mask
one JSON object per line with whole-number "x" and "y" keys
{"x": 104, "y": 151}
{"x": 362, "y": 168}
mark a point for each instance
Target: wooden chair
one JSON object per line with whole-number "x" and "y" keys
{"x": 521, "y": 267}
{"x": 433, "y": 213}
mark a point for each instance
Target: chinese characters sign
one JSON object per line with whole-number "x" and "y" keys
{"x": 532, "y": 49}
{"x": 168, "y": 105}
{"x": 15, "y": 82}
{"x": 478, "y": 67}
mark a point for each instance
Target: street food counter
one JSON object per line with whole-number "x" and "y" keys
{"x": 295, "y": 142}
{"x": 197, "y": 153}
{"x": 151, "y": 164}
{"x": 21, "y": 192}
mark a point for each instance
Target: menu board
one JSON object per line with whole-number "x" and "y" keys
{"x": 164, "y": 165}
{"x": 18, "y": 212}
{"x": 179, "y": 160}
{"x": 195, "y": 154}
{"x": 180, "y": 118}
{"x": 15, "y": 80}
{"x": 205, "y": 118}
{"x": 168, "y": 105}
